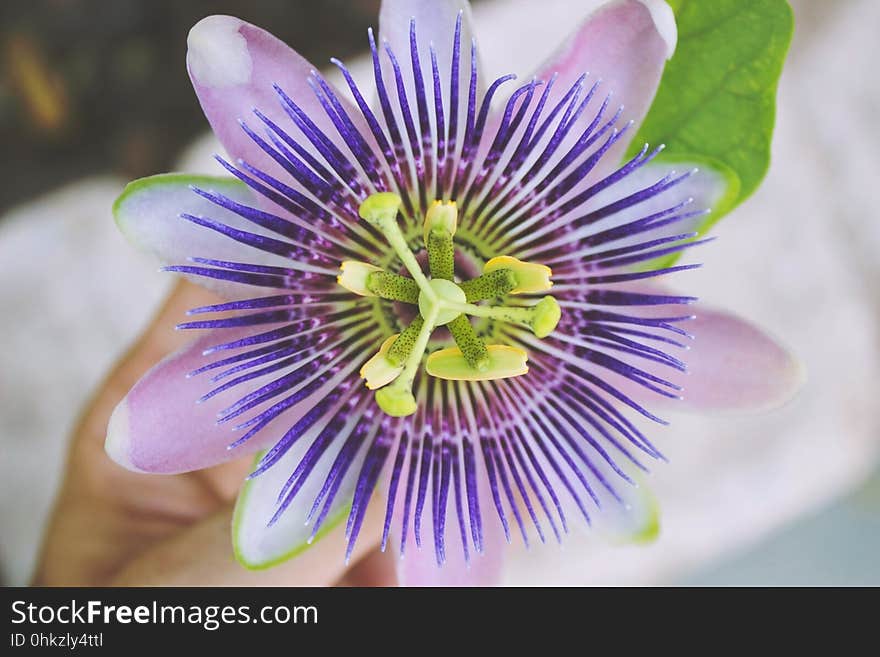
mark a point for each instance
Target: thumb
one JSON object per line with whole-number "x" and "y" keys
{"x": 201, "y": 556}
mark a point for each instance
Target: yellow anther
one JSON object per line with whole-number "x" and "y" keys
{"x": 353, "y": 276}
{"x": 441, "y": 216}
{"x": 378, "y": 371}
{"x": 504, "y": 362}
{"x": 530, "y": 277}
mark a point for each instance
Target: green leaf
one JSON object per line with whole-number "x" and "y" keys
{"x": 716, "y": 103}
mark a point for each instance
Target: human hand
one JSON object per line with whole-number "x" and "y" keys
{"x": 113, "y": 527}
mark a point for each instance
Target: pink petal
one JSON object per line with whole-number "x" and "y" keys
{"x": 160, "y": 428}
{"x": 732, "y": 365}
{"x": 625, "y": 44}
{"x": 435, "y": 24}
{"x": 418, "y": 567}
{"x": 233, "y": 66}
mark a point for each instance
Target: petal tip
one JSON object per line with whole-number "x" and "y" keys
{"x": 117, "y": 444}
{"x": 217, "y": 53}
{"x": 760, "y": 373}
{"x": 664, "y": 23}
{"x": 795, "y": 378}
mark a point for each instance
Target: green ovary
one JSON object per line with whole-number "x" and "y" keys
{"x": 443, "y": 301}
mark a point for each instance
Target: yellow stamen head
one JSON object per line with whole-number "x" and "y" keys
{"x": 504, "y": 362}
{"x": 442, "y": 216}
{"x": 353, "y": 277}
{"x": 530, "y": 277}
{"x": 378, "y": 371}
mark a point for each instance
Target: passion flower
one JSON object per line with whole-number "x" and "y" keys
{"x": 442, "y": 297}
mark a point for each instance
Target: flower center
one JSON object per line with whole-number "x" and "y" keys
{"x": 448, "y": 297}
{"x": 443, "y": 302}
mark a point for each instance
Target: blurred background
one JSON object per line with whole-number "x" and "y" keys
{"x": 95, "y": 93}
{"x": 97, "y": 86}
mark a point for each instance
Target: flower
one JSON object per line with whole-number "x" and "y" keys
{"x": 389, "y": 270}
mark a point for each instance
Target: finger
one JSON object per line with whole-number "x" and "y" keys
{"x": 377, "y": 568}
{"x": 201, "y": 556}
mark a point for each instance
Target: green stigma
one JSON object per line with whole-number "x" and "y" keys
{"x": 443, "y": 301}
